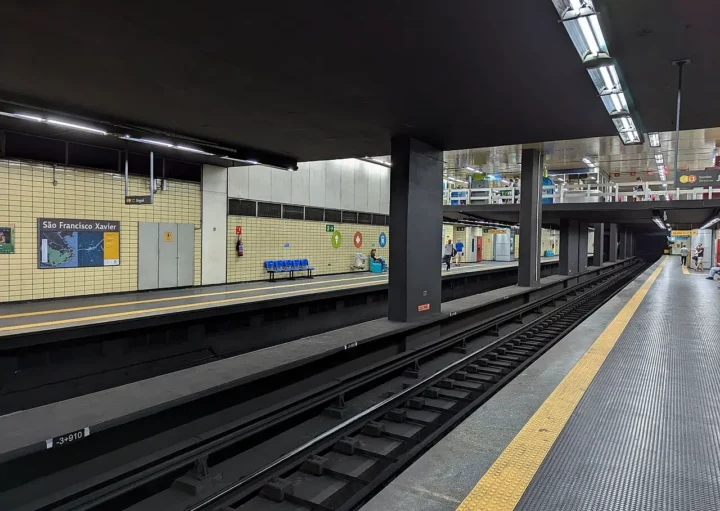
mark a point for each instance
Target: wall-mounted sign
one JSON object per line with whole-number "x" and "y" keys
{"x": 138, "y": 200}
{"x": 382, "y": 240}
{"x": 424, "y": 307}
{"x": 168, "y": 237}
{"x": 460, "y": 228}
{"x": 697, "y": 178}
{"x": 7, "y": 240}
{"x": 329, "y": 228}
{"x": 336, "y": 239}
{"x": 64, "y": 243}
{"x": 681, "y": 234}
{"x": 238, "y": 230}
{"x": 616, "y": 174}
{"x": 497, "y": 231}
{"x": 357, "y": 239}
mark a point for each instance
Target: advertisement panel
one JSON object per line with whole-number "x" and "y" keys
{"x": 686, "y": 179}
{"x": 65, "y": 243}
{"x": 7, "y": 240}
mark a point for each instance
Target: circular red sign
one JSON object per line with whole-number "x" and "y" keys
{"x": 357, "y": 240}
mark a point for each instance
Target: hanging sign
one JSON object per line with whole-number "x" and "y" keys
{"x": 697, "y": 178}
{"x": 138, "y": 200}
{"x": 64, "y": 243}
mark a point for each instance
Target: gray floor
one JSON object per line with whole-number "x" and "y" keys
{"x": 646, "y": 434}
{"x": 441, "y": 479}
{"x": 69, "y": 312}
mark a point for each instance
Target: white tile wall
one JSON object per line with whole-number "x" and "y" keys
{"x": 348, "y": 184}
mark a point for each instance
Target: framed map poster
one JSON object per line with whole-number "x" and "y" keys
{"x": 7, "y": 240}
{"x": 64, "y": 243}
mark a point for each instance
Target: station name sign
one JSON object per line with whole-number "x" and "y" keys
{"x": 79, "y": 225}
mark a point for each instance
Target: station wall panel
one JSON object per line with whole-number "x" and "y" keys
{"x": 27, "y": 193}
{"x": 279, "y": 238}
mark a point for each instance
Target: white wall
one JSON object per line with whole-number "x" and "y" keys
{"x": 214, "y": 224}
{"x": 348, "y": 184}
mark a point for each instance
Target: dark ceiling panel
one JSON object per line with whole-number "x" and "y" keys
{"x": 646, "y": 36}
{"x": 314, "y": 80}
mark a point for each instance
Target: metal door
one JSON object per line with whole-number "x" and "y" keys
{"x": 168, "y": 255}
{"x": 147, "y": 255}
{"x": 186, "y": 254}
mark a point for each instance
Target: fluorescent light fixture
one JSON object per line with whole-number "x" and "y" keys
{"x": 616, "y": 102}
{"x": 472, "y": 169}
{"x": 249, "y": 162}
{"x": 76, "y": 126}
{"x": 654, "y": 139}
{"x": 659, "y": 223}
{"x": 575, "y": 5}
{"x": 659, "y": 159}
{"x": 147, "y": 141}
{"x": 710, "y": 223}
{"x": 623, "y": 100}
{"x": 589, "y": 36}
{"x": 193, "y": 150}
{"x": 626, "y": 123}
{"x": 665, "y": 185}
{"x": 661, "y": 169}
{"x": 609, "y": 85}
{"x": 595, "y": 24}
{"x": 377, "y": 161}
{"x": 28, "y": 117}
{"x": 613, "y": 74}
{"x": 587, "y": 161}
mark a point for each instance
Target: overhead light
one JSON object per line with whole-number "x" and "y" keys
{"x": 76, "y": 126}
{"x": 654, "y": 139}
{"x": 193, "y": 150}
{"x": 621, "y": 95}
{"x": 609, "y": 85}
{"x": 376, "y": 161}
{"x": 472, "y": 169}
{"x": 589, "y": 36}
{"x": 616, "y": 102}
{"x": 659, "y": 223}
{"x": 665, "y": 185}
{"x": 147, "y": 141}
{"x": 659, "y": 159}
{"x": 710, "y": 223}
{"x": 239, "y": 160}
{"x": 23, "y": 116}
{"x": 587, "y": 161}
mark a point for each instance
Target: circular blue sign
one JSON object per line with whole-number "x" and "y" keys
{"x": 383, "y": 240}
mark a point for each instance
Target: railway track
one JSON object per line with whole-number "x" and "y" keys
{"x": 344, "y": 465}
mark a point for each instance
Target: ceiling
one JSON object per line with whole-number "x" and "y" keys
{"x": 321, "y": 80}
{"x": 697, "y": 148}
{"x": 685, "y": 214}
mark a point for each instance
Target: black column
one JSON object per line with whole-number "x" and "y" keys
{"x": 613, "y": 244}
{"x": 569, "y": 238}
{"x": 415, "y": 229}
{"x": 599, "y": 250}
{"x": 582, "y": 246}
{"x": 530, "y": 219}
{"x": 622, "y": 238}
{"x": 631, "y": 244}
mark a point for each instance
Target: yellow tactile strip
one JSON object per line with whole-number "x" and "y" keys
{"x": 504, "y": 483}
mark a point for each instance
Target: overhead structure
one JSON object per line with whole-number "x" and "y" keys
{"x": 583, "y": 26}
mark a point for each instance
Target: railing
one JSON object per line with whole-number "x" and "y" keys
{"x": 608, "y": 192}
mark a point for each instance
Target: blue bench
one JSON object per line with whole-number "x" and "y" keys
{"x": 288, "y": 266}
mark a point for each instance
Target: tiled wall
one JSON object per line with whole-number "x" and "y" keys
{"x": 27, "y": 193}
{"x": 274, "y": 238}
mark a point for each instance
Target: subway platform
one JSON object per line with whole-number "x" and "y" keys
{"x": 622, "y": 414}
{"x": 38, "y": 317}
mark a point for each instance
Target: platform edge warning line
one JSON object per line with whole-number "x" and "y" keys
{"x": 504, "y": 483}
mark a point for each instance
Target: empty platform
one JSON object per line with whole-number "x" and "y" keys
{"x": 34, "y": 317}
{"x": 622, "y": 414}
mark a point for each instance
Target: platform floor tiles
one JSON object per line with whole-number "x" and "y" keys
{"x": 622, "y": 414}
{"x": 18, "y": 317}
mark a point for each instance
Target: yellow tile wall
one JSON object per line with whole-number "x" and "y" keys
{"x": 265, "y": 238}
{"x": 27, "y": 193}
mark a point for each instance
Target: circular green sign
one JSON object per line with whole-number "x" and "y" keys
{"x": 336, "y": 239}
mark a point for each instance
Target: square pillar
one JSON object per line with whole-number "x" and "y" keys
{"x": 530, "y": 219}
{"x": 622, "y": 246}
{"x": 569, "y": 241}
{"x": 416, "y": 229}
{"x": 582, "y": 246}
{"x": 613, "y": 244}
{"x": 599, "y": 251}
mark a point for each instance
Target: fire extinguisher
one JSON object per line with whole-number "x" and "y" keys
{"x": 239, "y": 246}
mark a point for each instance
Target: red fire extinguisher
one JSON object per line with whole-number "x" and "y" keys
{"x": 239, "y": 246}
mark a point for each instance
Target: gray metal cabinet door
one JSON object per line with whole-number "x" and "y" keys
{"x": 186, "y": 254}
{"x": 168, "y": 250}
{"x": 147, "y": 255}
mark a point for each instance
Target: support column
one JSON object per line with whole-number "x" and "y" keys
{"x": 622, "y": 238}
{"x": 613, "y": 244}
{"x": 415, "y": 228}
{"x": 631, "y": 244}
{"x": 599, "y": 244}
{"x": 530, "y": 219}
{"x": 582, "y": 246}
{"x": 569, "y": 238}
{"x": 214, "y": 225}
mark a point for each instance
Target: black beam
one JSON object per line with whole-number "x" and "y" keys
{"x": 530, "y": 219}
{"x": 599, "y": 250}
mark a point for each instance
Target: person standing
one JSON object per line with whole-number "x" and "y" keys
{"x": 447, "y": 254}
{"x": 700, "y": 253}
{"x": 683, "y": 254}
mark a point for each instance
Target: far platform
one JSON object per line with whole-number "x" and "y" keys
{"x": 37, "y": 317}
